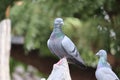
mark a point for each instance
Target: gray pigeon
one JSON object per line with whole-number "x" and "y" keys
{"x": 104, "y": 71}
{"x": 60, "y": 45}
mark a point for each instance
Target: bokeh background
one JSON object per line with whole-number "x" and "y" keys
{"x": 91, "y": 24}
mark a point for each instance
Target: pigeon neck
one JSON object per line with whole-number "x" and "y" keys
{"x": 102, "y": 62}
{"x": 57, "y": 28}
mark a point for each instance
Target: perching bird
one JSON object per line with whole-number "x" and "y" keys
{"x": 60, "y": 45}
{"x": 104, "y": 71}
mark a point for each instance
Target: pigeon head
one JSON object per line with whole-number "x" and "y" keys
{"x": 58, "y": 21}
{"x": 101, "y": 53}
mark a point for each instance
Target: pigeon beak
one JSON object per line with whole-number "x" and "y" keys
{"x": 97, "y": 54}
{"x": 62, "y": 23}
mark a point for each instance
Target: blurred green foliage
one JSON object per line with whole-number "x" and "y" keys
{"x": 91, "y": 24}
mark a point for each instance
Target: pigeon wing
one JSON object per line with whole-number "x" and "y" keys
{"x": 106, "y": 74}
{"x": 110, "y": 74}
{"x": 48, "y": 44}
{"x": 72, "y": 52}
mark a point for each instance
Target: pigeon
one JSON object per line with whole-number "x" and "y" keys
{"x": 104, "y": 70}
{"x": 60, "y": 45}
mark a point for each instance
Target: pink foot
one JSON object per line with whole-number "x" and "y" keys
{"x": 60, "y": 61}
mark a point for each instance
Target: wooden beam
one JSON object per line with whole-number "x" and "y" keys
{"x": 5, "y": 42}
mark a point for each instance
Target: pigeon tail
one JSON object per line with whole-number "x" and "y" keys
{"x": 78, "y": 63}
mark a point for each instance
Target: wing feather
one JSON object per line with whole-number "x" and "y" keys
{"x": 48, "y": 44}
{"x": 69, "y": 46}
{"x": 106, "y": 74}
{"x": 72, "y": 52}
